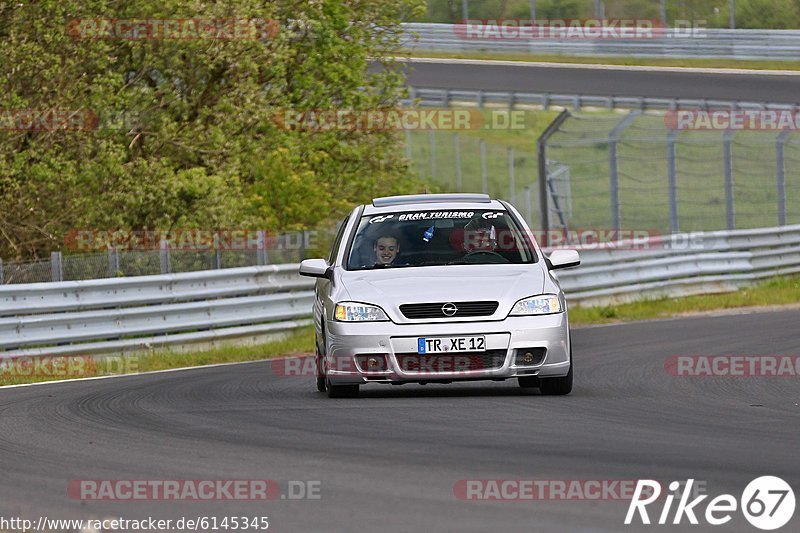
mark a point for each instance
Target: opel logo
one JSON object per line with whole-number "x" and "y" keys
{"x": 449, "y": 309}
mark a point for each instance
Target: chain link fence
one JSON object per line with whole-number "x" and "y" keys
{"x": 627, "y": 170}
{"x": 291, "y": 247}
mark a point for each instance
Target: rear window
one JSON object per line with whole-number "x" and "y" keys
{"x": 435, "y": 238}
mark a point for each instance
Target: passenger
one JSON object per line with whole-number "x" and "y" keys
{"x": 386, "y": 248}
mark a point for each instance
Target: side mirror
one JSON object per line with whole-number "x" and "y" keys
{"x": 564, "y": 259}
{"x": 315, "y": 268}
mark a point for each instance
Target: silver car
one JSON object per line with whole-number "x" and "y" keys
{"x": 439, "y": 288}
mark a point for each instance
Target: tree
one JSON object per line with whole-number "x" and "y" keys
{"x": 184, "y": 135}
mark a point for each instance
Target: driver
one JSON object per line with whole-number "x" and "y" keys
{"x": 479, "y": 235}
{"x": 386, "y": 248}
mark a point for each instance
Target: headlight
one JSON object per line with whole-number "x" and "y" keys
{"x": 546, "y": 304}
{"x": 355, "y": 312}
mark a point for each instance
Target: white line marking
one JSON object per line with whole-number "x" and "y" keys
{"x": 146, "y": 373}
{"x": 591, "y": 66}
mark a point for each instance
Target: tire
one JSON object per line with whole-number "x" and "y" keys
{"x": 320, "y": 367}
{"x": 529, "y": 382}
{"x": 557, "y": 386}
{"x": 321, "y": 382}
{"x": 341, "y": 391}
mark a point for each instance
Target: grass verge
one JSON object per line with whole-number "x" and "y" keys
{"x": 773, "y": 64}
{"x": 776, "y": 291}
{"x": 299, "y": 342}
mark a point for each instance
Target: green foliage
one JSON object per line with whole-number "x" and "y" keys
{"x": 185, "y": 135}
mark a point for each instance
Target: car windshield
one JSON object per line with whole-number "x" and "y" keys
{"x": 434, "y": 238}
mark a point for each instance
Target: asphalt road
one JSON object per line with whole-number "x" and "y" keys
{"x": 607, "y": 82}
{"x": 388, "y": 461}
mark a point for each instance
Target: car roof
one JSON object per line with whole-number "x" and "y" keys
{"x": 432, "y": 202}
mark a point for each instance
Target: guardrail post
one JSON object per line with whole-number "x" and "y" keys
{"x": 541, "y": 150}
{"x": 432, "y": 145}
{"x": 457, "y": 148}
{"x": 480, "y": 98}
{"x": 780, "y": 142}
{"x": 512, "y": 187}
{"x": 484, "y": 183}
{"x": 217, "y": 253}
{"x": 613, "y": 167}
{"x": 727, "y": 149}
{"x": 261, "y": 248}
{"x": 56, "y": 267}
{"x": 163, "y": 255}
{"x": 113, "y": 261}
{"x": 672, "y": 180}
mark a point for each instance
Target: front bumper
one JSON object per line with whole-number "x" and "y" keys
{"x": 346, "y": 341}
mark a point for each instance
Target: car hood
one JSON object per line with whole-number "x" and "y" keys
{"x": 392, "y": 287}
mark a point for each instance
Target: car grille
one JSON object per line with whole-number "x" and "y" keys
{"x": 451, "y": 362}
{"x": 434, "y": 310}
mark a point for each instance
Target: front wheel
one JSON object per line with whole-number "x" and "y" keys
{"x": 557, "y": 386}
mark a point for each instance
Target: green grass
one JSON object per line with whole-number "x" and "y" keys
{"x": 300, "y": 341}
{"x": 774, "y": 64}
{"x": 776, "y": 291}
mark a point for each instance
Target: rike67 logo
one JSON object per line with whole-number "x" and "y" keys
{"x": 767, "y": 503}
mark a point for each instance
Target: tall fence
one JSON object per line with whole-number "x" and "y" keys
{"x": 631, "y": 171}
{"x": 620, "y": 164}
{"x": 262, "y": 248}
{"x": 672, "y": 43}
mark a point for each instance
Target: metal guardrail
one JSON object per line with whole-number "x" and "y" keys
{"x": 437, "y": 97}
{"x": 100, "y": 316}
{"x": 705, "y": 43}
{"x": 682, "y": 264}
{"x": 129, "y": 314}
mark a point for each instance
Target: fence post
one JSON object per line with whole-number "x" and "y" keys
{"x": 672, "y": 180}
{"x": 484, "y": 180}
{"x": 432, "y": 145}
{"x": 727, "y": 146}
{"x": 512, "y": 186}
{"x": 113, "y": 261}
{"x": 1, "y": 271}
{"x": 217, "y": 253}
{"x": 781, "y": 178}
{"x": 544, "y": 205}
{"x": 163, "y": 254}
{"x": 613, "y": 167}
{"x": 457, "y": 147}
{"x": 261, "y": 251}
{"x": 529, "y": 206}
{"x": 56, "y": 268}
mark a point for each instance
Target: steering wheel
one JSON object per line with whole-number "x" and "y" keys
{"x": 474, "y": 253}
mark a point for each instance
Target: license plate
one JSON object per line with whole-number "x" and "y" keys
{"x": 450, "y": 344}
